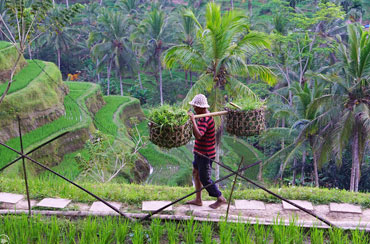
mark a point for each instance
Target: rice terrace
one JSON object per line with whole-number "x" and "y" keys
{"x": 137, "y": 121}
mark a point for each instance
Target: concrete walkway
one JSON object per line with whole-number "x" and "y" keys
{"x": 344, "y": 215}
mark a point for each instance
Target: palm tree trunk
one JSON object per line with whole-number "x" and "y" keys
{"x": 58, "y": 57}
{"x": 250, "y": 8}
{"x": 67, "y": 3}
{"x": 232, "y": 4}
{"x": 218, "y": 146}
{"x": 120, "y": 83}
{"x": 29, "y": 51}
{"x": 355, "y": 162}
{"x": 160, "y": 77}
{"x": 101, "y": 2}
{"x": 294, "y": 171}
{"x": 108, "y": 75}
{"x": 191, "y": 78}
{"x": 315, "y": 168}
{"x": 186, "y": 78}
{"x": 98, "y": 74}
{"x": 281, "y": 169}
{"x": 303, "y": 165}
{"x": 139, "y": 74}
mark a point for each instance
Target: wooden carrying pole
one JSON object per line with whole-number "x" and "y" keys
{"x": 216, "y": 113}
{"x": 210, "y": 114}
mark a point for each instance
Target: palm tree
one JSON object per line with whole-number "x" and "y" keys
{"x": 113, "y": 48}
{"x": 303, "y": 115}
{"x": 350, "y": 96}
{"x": 188, "y": 31}
{"x": 152, "y": 31}
{"x": 218, "y": 54}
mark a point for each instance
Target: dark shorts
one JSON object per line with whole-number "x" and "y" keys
{"x": 204, "y": 167}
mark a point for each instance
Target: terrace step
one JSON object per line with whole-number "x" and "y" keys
{"x": 53, "y": 203}
{"x": 101, "y": 207}
{"x": 250, "y": 205}
{"x": 304, "y": 204}
{"x": 155, "y": 205}
{"x": 10, "y": 197}
{"x": 345, "y": 208}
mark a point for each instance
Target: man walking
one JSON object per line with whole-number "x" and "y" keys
{"x": 205, "y": 141}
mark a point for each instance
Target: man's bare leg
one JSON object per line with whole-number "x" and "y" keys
{"x": 220, "y": 200}
{"x": 198, "y": 186}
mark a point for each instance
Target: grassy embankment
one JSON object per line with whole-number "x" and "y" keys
{"x": 135, "y": 194}
{"x": 8, "y": 56}
{"x": 41, "y": 229}
{"x": 107, "y": 121}
{"x": 25, "y": 76}
{"x": 74, "y": 119}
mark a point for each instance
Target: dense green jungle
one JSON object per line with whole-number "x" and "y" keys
{"x": 90, "y": 84}
{"x": 97, "y": 69}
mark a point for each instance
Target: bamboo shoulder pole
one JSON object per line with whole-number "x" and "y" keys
{"x": 210, "y": 114}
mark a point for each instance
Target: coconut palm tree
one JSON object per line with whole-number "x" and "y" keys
{"x": 303, "y": 116}
{"x": 152, "y": 31}
{"x": 350, "y": 102}
{"x": 113, "y": 47}
{"x": 219, "y": 55}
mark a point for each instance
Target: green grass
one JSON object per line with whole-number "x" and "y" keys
{"x": 104, "y": 117}
{"x": 24, "y": 77}
{"x": 135, "y": 194}
{"x": 72, "y": 120}
{"x": 8, "y": 56}
{"x": 4, "y": 45}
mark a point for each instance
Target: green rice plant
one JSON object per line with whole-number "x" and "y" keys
{"x": 138, "y": 231}
{"x": 191, "y": 231}
{"x": 261, "y": 234}
{"x": 226, "y": 232}
{"x": 168, "y": 116}
{"x": 122, "y": 230}
{"x": 242, "y": 233}
{"x": 156, "y": 231}
{"x": 24, "y": 77}
{"x": 247, "y": 103}
{"x": 104, "y": 117}
{"x": 206, "y": 232}
{"x": 172, "y": 232}
{"x": 359, "y": 237}
{"x": 337, "y": 236}
{"x": 105, "y": 231}
{"x": 296, "y": 231}
{"x": 317, "y": 236}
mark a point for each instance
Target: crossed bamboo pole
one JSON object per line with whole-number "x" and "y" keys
{"x": 270, "y": 192}
{"x": 236, "y": 173}
{"x": 25, "y": 156}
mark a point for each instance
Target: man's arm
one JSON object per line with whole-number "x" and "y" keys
{"x": 197, "y": 133}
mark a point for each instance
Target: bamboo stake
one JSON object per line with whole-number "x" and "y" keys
{"x": 232, "y": 190}
{"x": 233, "y": 104}
{"x": 210, "y": 114}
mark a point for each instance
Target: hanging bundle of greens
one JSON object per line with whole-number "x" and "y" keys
{"x": 169, "y": 126}
{"x": 168, "y": 116}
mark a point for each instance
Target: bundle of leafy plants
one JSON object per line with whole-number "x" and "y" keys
{"x": 170, "y": 116}
{"x": 246, "y": 104}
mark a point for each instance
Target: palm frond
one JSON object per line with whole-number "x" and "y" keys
{"x": 341, "y": 134}
{"x": 236, "y": 89}
{"x": 203, "y": 85}
{"x": 281, "y": 152}
{"x": 186, "y": 56}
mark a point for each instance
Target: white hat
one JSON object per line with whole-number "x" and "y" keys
{"x": 199, "y": 101}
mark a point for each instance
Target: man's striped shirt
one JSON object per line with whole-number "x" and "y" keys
{"x": 206, "y": 145}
